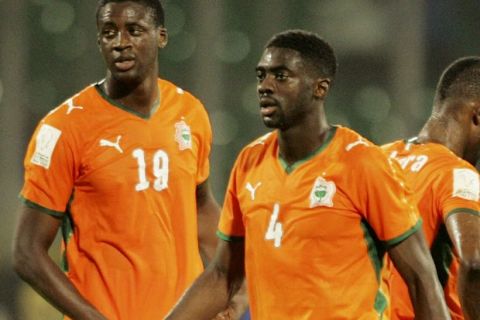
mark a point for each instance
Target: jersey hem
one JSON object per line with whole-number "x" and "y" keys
{"x": 462, "y": 210}
{"x": 33, "y": 205}
{"x": 228, "y": 238}
{"x": 405, "y": 235}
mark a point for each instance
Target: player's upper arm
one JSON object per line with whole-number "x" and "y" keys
{"x": 35, "y": 230}
{"x": 411, "y": 256}
{"x": 208, "y": 213}
{"x": 459, "y": 201}
{"x": 464, "y": 230}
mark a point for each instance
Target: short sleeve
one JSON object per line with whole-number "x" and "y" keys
{"x": 458, "y": 191}
{"x": 384, "y": 200}
{"x": 231, "y": 225}
{"x": 49, "y": 169}
{"x": 205, "y": 144}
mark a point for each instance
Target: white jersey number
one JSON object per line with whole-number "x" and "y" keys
{"x": 416, "y": 162}
{"x": 275, "y": 229}
{"x": 160, "y": 170}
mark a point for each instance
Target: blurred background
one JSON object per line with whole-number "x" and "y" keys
{"x": 390, "y": 56}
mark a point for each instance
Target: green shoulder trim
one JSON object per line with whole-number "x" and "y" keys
{"x": 156, "y": 104}
{"x": 462, "y": 210}
{"x": 33, "y": 205}
{"x": 405, "y": 235}
{"x": 225, "y": 237}
{"x": 289, "y": 168}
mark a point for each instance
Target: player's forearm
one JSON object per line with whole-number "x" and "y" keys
{"x": 469, "y": 290}
{"x": 49, "y": 281}
{"x": 427, "y": 297}
{"x": 414, "y": 263}
{"x": 208, "y": 296}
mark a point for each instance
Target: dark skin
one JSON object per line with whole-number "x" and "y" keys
{"x": 33, "y": 237}
{"x": 292, "y": 101}
{"x": 36, "y": 231}
{"x": 129, "y": 41}
{"x": 455, "y": 123}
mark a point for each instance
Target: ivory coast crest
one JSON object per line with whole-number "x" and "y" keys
{"x": 183, "y": 135}
{"x": 322, "y": 193}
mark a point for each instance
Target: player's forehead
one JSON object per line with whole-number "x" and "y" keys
{"x": 124, "y": 12}
{"x": 278, "y": 58}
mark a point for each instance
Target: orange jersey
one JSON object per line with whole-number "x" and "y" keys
{"x": 443, "y": 184}
{"x": 315, "y": 232}
{"x": 124, "y": 185}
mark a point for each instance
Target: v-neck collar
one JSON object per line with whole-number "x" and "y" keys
{"x": 290, "y": 168}
{"x": 114, "y": 103}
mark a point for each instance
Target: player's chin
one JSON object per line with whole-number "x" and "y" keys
{"x": 126, "y": 76}
{"x": 270, "y": 122}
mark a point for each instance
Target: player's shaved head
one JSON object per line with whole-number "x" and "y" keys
{"x": 461, "y": 80}
{"x": 155, "y": 6}
{"x": 311, "y": 47}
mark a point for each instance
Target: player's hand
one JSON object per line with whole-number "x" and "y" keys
{"x": 227, "y": 314}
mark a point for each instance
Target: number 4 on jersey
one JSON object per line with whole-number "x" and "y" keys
{"x": 275, "y": 229}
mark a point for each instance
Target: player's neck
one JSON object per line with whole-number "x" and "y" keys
{"x": 140, "y": 97}
{"x": 300, "y": 141}
{"x": 443, "y": 132}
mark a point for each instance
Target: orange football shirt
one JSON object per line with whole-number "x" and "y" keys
{"x": 443, "y": 184}
{"x": 315, "y": 232}
{"x": 124, "y": 185}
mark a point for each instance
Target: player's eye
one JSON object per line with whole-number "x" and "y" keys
{"x": 135, "y": 31}
{"x": 260, "y": 75}
{"x": 108, "y": 33}
{"x": 281, "y": 76}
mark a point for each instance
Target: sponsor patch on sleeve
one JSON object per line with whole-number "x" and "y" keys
{"x": 466, "y": 184}
{"x": 45, "y": 143}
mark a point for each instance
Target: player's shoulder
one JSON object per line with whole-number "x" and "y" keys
{"x": 172, "y": 91}
{"x": 353, "y": 145}
{"x": 77, "y": 110}
{"x": 393, "y": 146}
{"x": 258, "y": 149}
{"x": 182, "y": 102}
{"x": 452, "y": 162}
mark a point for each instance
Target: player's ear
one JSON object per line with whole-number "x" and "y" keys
{"x": 321, "y": 87}
{"x": 476, "y": 115}
{"x": 162, "y": 37}
{"x": 98, "y": 42}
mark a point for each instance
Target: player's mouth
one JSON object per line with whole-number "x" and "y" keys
{"x": 124, "y": 63}
{"x": 267, "y": 106}
{"x": 267, "y": 111}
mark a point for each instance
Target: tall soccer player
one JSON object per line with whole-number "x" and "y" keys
{"x": 439, "y": 166}
{"x": 122, "y": 168}
{"x": 311, "y": 208}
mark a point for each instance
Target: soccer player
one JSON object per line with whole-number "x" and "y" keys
{"x": 311, "y": 208}
{"x": 439, "y": 166}
{"x": 122, "y": 168}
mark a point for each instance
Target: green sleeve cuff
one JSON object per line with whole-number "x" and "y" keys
{"x": 462, "y": 210}
{"x": 404, "y": 235}
{"x": 33, "y": 205}
{"x": 225, "y": 237}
